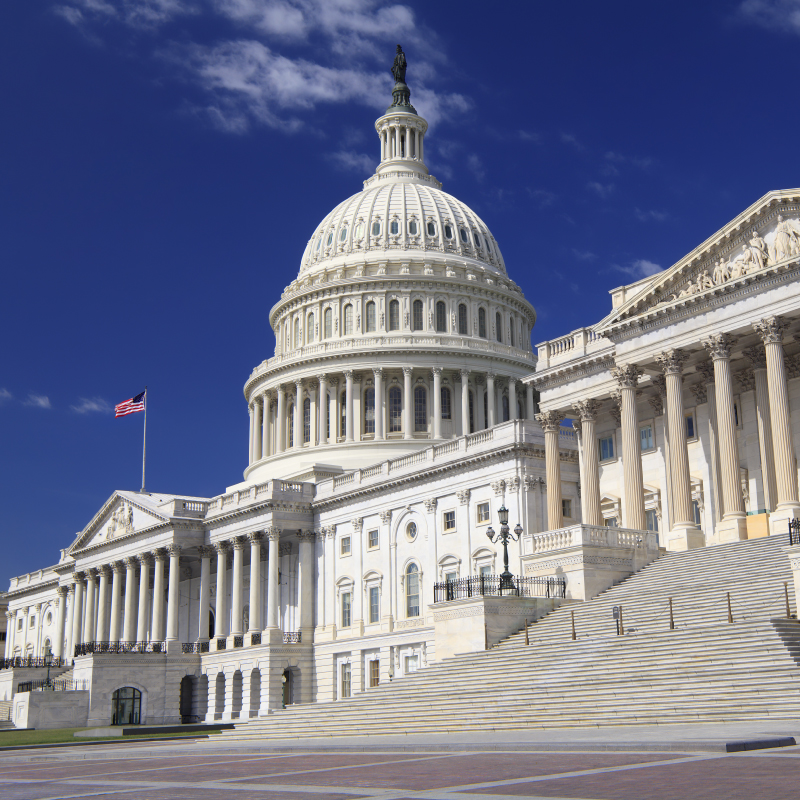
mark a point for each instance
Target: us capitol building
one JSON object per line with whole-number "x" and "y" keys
{"x": 402, "y": 408}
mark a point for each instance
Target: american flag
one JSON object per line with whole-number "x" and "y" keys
{"x": 131, "y": 406}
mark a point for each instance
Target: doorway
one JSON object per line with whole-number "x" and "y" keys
{"x": 126, "y": 706}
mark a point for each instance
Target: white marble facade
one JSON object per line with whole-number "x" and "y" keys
{"x": 402, "y": 407}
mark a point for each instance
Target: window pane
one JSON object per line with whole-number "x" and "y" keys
{"x": 420, "y": 409}
{"x": 471, "y": 413}
{"x": 505, "y": 408}
{"x": 328, "y": 323}
{"x": 395, "y": 410}
{"x": 412, "y": 228}
{"x": 394, "y": 227}
{"x": 394, "y": 315}
{"x": 690, "y": 425}
{"x": 646, "y": 437}
{"x": 462, "y": 320}
{"x": 376, "y": 228}
{"x": 498, "y": 324}
{"x": 482, "y": 323}
{"x": 346, "y": 682}
{"x": 441, "y": 317}
{"x": 370, "y": 317}
{"x": 346, "y": 610}
{"x": 652, "y": 519}
{"x": 511, "y": 332}
{"x": 446, "y": 411}
{"x": 449, "y": 520}
{"x": 306, "y": 420}
{"x": 373, "y": 538}
{"x": 431, "y": 229}
{"x": 291, "y": 426}
{"x": 374, "y": 673}
{"x": 343, "y": 415}
{"x": 412, "y": 591}
{"x": 606, "y": 448}
{"x": 345, "y": 545}
{"x": 374, "y": 604}
{"x": 348, "y": 320}
{"x": 483, "y": 512}
{"x": 369, "y": 411}
{"x": 417, "y": 316}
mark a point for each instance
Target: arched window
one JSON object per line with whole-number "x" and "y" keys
{"x": 416, "y": 318}
{"x": 369, "y": 410}
{"x": 471, "y": 412}
{"x": 511, "y": 332}
{"x": 462, "y": 320}
{"x": 394, "y": 227}
{"x": 441, "y": 317}
{"x": 310, "y": 329}
{"x": 394, "y": 315}
{"x": 343, "y": 414}
{"x": 297, "y": 342}
{"x": 306, "y": 420}
{"x": 290, "y": 416}
{"x": 446, "y": 407}
{"x": 126, "y": 706}
{"x": 420, "y": 409}
{"x": 412, "y": 228}
{"x": 482, "y": 323}
{"x": 348, "y": 320}
{"x": 370, "y": 315}
{"x": 505, "y": 408}
{"x": 498, "y": 324}
{"x": 412, "y": 590}
{"x": 376, "y": 228}
{"x": 328, "y": 323}
{"x": 395, "y": 410}
{"x": 431, "y": 229}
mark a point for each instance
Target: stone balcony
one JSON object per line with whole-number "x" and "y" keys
{"x": 579, "y": 343}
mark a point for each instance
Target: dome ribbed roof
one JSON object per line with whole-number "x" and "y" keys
{"x": 394, "y": 217}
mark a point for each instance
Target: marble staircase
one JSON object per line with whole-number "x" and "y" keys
{"x": 705, "y": 669}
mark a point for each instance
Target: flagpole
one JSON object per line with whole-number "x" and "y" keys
{"x": 144, "y": 441}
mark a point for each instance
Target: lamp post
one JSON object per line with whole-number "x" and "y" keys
{"x": 505, "y": 535}
{"x": 48, "y": 660}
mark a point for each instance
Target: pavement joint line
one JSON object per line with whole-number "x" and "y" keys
{"x": 275, "y": 787}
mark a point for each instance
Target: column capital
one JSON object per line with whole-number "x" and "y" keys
{"x": 348, "y": 374}
{"x": 78, "y": 577}
{"x": 386, "y": 516}
{"x": 757, "y": 356}
{"x": 463, "y": 496}
{"x": 254, "y": 537}
{"x": 146, "y": 559}
{"x": 490, "y": 376}
{"x": 273, "y": 534}
{"x": 91, "y": 574}
{"x": 463, "y": 372}
{"x": 511, "y": 380}
{"x": 407, "y": 371}
{"x": 586, "y": 410}
{"x": 719, "y": 346}
{"x": 550, "y": 420}
{"x": 298, "y": 382}
{"x": 130, "y": 562}
{"x": 280, "y": 390}
{"x": 104, "y": 570}
{"x": 206, "y": 550}
{"x": 239, "y": 542}
{"x": 700, "y": 393}
{"x": 173, "y": 549}
{"x": 672, "y": 361}
{"x": 746, "y": 379}
{"x": 220, "y": 547}
{"x": 306, "y": 535}
{"x": 706, "y": 369}
{"x": 577, "y": 426}
{"x": 430, "y": 504}
{"x": 358, "y": 524}
{"x": 436, "y": 370}
{"x": 771, "y": 329}
{"x": 160, "y": 554}
{"x": 61, "y": 591}
{"x": 117, "y": 567}
{"x": 626, "y": 375}
{"x": 12, "y": 614}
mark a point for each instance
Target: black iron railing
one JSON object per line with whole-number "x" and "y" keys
{"x": 11, "y": 663}
{"x": 794, "y": 531}
{"x": 292, "y": 637}
{"x": 221, "y": 643}
{"x": 88, "y": 648}
{"x": 255, "y": 638}
{"x": 194, "y": 647}
{"x": 238, "y": 641}
{"x": 489, "y": 586}
{"x": 52, "y": 686}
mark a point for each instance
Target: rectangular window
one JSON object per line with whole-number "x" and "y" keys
{"x": 736, "y": 414}
{"x": 346, "y": 609}
{"x": 486, "y": 569}
{"x": 646, "y": 437}
{"x": 610, "y": 522}
{"x": 374, "y": 604}
{"x": 566, "y": 508}
{"x": 449, "y": 521}
{"x": 483, "y": 512}
{"x": 345, "y": 546}
{"x": 346, "y": 681}
{"x": 690, "y": 429}
{"x": 450, "y": 577}
{"x": 306, "y": 421}
{"x": 606, "y": 448}
{"x": 420, "y": 409}
{"x": 652, "y": 519}
{"x": 19, "y": 624}
{"x": 412, "y": 664}
{"x": 374, "y": 673}
{"x": 395, "y": 410}
{"x": 372, "y": 540}
{"x": 369, "y": 410}
{"x": 446, "y": 410}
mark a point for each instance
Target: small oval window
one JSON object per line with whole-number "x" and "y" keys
{"x": 463, "y": 235}
{"x": 394, "y": 227}
{"x": 376, "y": 228}
{"x": 343, "y": 234}
{"x": 431, "y": 229}
{"x": 330, "y": 238}
{"x": 448, "y": 231}
{"x": 412, "y": 228}
{"x": 478, "y": 242}
{"x": 411, "y": 531}
{"x": 319, "y": 242}
{"x": 359, "y": 230}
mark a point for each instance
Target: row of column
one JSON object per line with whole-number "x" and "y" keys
{"x": 396, "y": 141}
{"x": 777, "y": 451}
{"x": 269, "y": 413}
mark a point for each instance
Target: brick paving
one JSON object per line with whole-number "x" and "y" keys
{"x": 167, "y": 772}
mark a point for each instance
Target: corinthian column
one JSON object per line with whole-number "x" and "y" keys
{"x": 273, "y": 587}
{"x": 758, "y": 358}
{"x": 706, "y": 369}
{"x": 323, "y": 409}
{"x": 221, "y": 611}
{"x": 204, "y": 610}
{"x": 733, "y": 525}
{"x": 465, "y": 427}
{"x": 408, "y": 405}
{"x": 437, "y": 402}
{"x": 173, "y": 596}
{"x": 129, "y": 624}
{"x": 491, "y": 396}
{"x": 551, "y": 424}
{"x": 237, "y": 585}
{"x": 256, "y": 430}
{"x": 250, "y": 440}
{"x": 379, "y": 417}
{"x": 70, "y": 645}
{"x": 255, "y": 582}
{"x": 145, "y": 562}
{"x": 280, "y": 421}
{"x": 101, "y": 633}
{"x": 265, "y": 443}
{"x": 298, "y": 418}
{"x": 684, "y": 534}
{"x": 157, "y": 625}
{"x": 512, "y": 398}
{"x": 77, "y": 614}
{"x": 88, "y": 624}
{"x": 348, "y": 410}
{"x": 627, "y": 376}
{"x": 587, "y": 414}
{"x": 114, "y": 632}
{"x": 771, "y": 331}
{"x": 306, "y": 558}
{"x": 61, "y": 619}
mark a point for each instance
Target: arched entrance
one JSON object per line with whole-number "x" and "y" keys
{"x": 288, "y": 688}
{"x": 126, "y": 706}
{"x": 187, "y": 700}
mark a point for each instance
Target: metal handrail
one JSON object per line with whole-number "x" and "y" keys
{"x": 53, "y": 685}
{"x": 87, "y": 648}
{"x": 489, "y": 586}
{"x": 29, "y": 661}
{"x": 292, "y": 637}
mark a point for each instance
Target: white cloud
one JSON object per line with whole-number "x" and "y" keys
{"x": 38, "y": 401}
{"x": 5, "y": 395}
{"x": 583, "y": 255}
{"x": 475, "y": 166}
{"x": 638, "y": 269}
{"x": 569, "y": 138}
{"x": 543, "y": 197}
{"x": 776, "y": 15}
{"x": 600, "y": 189}
{"x": 651, "y": 215}
{"x": 641, "y": 162}
{"x": 357, "y": 162}
{"x": 134, "y": 13}
{"x": 91, "y": 405}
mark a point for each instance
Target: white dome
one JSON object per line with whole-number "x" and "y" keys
{"x": 394, "y": 216}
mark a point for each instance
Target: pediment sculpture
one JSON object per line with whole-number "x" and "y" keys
{"x": 121, "y": 519}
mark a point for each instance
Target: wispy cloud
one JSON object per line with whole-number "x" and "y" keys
{"x": 542, "y": 197}
{"x": 638, "y": 269}
{"x": 38, "y": 401}
{"x": 571, "y": 139}
{"x": 640, "y": 162}
{"x": 356, "y": 162}
{"x": 5, "y": 395}
{"x": 584, "y": 255}
{"x": 600, "y": 189}
{"x": 651, "y": 215}
{"x": 92, "y": 405}
{"x": 776, "y": 15}
{"x": 475, "y": 166}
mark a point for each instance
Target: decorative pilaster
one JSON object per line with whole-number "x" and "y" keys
{"x": 129, "y": 620}
{"x": 465, "y": 426}
{"x": 733, "y": 525}
{"x": 323, "y": 410}
{"x": 491, "y": 396}
{"x": 551, "y": 425}
{"x": 684, "y": 534}
{"x": 587, "y": 416}
{"x": 145, "y": 565}
{"x": 408, "y": 404}
{"x": 627, "y": 377}
{"x": 298, "y": 424}
{"x": 348, "y": 410}
{"x": 379, "y": 415}
{"x": 280, "y": 421}
{"x": 61, "y": 619}
{"x": 757, "y": 356}
{"x": 771, "y": 331}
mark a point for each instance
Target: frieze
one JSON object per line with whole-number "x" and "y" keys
{"x": 410, "y": 623}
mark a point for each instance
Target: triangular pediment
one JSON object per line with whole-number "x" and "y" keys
{"x": 761, "y": 239}
{"x": 123, "y": 513}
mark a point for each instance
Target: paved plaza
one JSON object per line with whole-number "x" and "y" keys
{"x": 658, "y": 763}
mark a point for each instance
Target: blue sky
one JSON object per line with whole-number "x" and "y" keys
{"x": 163, "y": 163}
